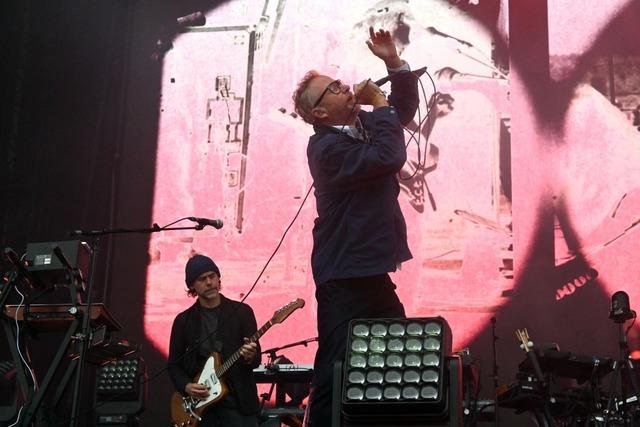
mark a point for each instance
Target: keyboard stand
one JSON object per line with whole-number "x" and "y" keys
{"x": 50, "y": 317}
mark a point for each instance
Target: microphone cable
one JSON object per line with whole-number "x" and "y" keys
{"x": 22, "y": 357}
{"x": 421, "y": 158}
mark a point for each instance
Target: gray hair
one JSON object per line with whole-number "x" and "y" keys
{"x": 301, "y": 98}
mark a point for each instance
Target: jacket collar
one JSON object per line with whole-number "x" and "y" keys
{"x": 321, "y": 130}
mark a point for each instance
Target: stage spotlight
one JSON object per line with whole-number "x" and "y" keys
{"x": 620, "y": 308}
{"x": 397, "y": 370}
{"x": 120, "y": 392}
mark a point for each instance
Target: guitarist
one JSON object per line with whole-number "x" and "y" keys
{"x": 215, "y": 324}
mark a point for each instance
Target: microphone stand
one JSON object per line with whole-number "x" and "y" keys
{"x": 495, "y": 372}
{"x": 148, "y": 230}
{"x": 272, "y": 356}
{"x": 272, "y": 351}
{"x": 84, "y": 336}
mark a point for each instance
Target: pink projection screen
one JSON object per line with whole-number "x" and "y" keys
{"x": 229, "y": 147}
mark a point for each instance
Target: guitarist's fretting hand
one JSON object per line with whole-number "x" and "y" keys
{"x": 199, "y": 391}
{"x": 249, "y": 350}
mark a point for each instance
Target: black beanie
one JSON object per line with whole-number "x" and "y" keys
{"x": 197, "y": 265}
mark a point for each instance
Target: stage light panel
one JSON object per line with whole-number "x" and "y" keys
{"x": 120, "y": 379}
{"x": 120, "y": 390}
{"x": 395, "y": 367}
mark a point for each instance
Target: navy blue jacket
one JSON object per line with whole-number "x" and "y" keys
{"x": 360, "y": 230}
{"x": 236, "y": 321}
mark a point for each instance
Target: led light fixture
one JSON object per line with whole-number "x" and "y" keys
{"x": 120, "y": 392}
{"x": 396, "y": 369}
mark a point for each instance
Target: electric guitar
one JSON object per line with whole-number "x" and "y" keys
{"x": 187, "y": 410}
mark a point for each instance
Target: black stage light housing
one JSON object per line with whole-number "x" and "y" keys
{"x": 397, "y": 369}
{"x": 121, "y": 392}
{"x": 620, "y": 308}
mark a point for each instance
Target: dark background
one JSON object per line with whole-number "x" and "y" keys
{"x": 78, "y": 122}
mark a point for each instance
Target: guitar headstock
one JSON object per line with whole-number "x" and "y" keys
{"x": 281, "y": 314}
{"x": 523, "y": 337}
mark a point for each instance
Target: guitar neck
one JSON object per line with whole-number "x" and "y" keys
{"x": 235, "y": 356}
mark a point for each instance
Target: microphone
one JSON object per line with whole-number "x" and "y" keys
{"x": 215, "y": 223}
{"x": 432, "y": 30}
{"x": 417, "y": 73}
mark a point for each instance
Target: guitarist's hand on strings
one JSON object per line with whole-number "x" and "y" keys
{"x": 196, "y": 390}
{"x": 249, "y": 350}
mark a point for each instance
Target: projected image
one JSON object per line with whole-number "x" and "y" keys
{"x": 230, "y": 147}
{"x": 597, "y": 185}
{"x": 520, "y": 192}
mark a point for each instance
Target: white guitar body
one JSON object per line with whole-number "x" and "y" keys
{"x": 209, "y": 378}
{"x": 187, "y": 411}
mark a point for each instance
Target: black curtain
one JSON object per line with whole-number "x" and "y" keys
{"x": 62, "y": 118}
{"x": 66, "y": 68}
{"x": 78, "y": 133}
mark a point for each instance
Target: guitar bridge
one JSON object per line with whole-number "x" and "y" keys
{"x": 188, "y": 403}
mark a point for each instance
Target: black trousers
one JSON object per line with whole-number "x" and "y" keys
{"x": 340, "y": 301}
